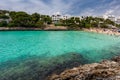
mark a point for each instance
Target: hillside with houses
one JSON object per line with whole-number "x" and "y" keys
{"x": 12, "y": 19}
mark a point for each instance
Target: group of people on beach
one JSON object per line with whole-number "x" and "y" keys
{"x": 105, "y": 31}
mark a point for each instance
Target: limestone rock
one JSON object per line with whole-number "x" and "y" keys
{"x": 105, "y": 70}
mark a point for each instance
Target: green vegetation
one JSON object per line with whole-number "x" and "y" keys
{"x": 23, "y": 19}
{"x": 87, "y": 22}
{"x": 4, "y": 16}
{"x": 3, "y": 23}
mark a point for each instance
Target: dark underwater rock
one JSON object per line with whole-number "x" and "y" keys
{"x": 37, "y": 68}
{"x": 116, "y": 59}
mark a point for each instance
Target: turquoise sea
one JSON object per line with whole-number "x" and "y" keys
{"x": 34, "y": 55}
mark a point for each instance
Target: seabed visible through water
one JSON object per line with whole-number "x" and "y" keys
{"x": 34, "y": 55}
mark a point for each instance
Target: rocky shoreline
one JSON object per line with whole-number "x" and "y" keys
{"x": 33, "y": 29}
{"x": 17, "y": 28}
{"x": 105, "y": 70}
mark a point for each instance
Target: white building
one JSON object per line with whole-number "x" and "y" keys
{"x": 6, "y": 20}
{"x": 7, "y": 14}
{"x": 118, "y": 21}
{"x": 57, "y": 16}
{"x": 64, "y": 17}
{"x": 111, "y": 17}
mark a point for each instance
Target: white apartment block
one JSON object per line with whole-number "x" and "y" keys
{"x": 118, "y": 21}
{"x": 57, "y": 16}
{"x": 111, "y": 17}
{"x": 65, "y": 17}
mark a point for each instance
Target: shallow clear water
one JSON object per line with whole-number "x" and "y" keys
{"x": 16, "y": 47}
{"x": 49, "y": 44}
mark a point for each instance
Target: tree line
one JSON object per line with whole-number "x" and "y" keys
{"x": 23, "y": 19}
{"x": 87, "y": 22}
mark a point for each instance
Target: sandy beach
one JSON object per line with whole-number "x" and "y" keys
{"x": 104, "y": 31}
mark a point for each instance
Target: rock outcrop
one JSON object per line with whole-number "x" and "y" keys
{"x": 105, "y": 70}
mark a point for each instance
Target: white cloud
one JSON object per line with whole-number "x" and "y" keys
{"x": 63, "y": 6}
{"x": 109, "y": 12}
{"x": 35, "y": 6}
{"x": 112, "y": 8}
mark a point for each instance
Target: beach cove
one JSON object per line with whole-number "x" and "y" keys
{"x": 34, "y": 55}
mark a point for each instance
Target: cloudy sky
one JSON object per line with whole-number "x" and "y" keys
{"x": 72, "y": 7}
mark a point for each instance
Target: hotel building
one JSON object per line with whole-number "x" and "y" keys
{"x": 57, "y": 16}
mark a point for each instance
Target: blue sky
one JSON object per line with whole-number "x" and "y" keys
{"x": 72, "y": 7}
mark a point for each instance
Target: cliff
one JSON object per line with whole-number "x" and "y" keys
{"x": 105, "y": 70}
